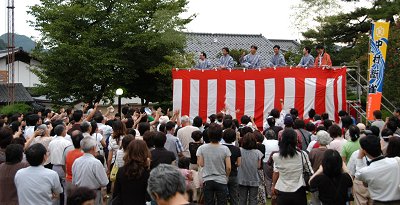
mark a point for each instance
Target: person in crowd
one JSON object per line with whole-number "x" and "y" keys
{"x": 185, "y": 134}
{"x": 288, "y": 121}
{"x": 148, "y": 137}
{"x": 353, "y": 145}
{"x": 6, "y": 136}
{"x": 203, "y": 62}
{"x": 160, "y": 155}
{"x": 305, "y": 135}
{"x": 78, "y": 118}
{"x": 119, "y": 132}
{"x": 386, "y": 134}
{"x": 248, "y": 177}
{"x": 323, "y": 59}
{"x": 316, "y": 158}
{"x": 87, "y": 171}
{"x": 72, "y": 155}
{"x": 183, "y": 166}
{"x": 216, "y": 163}
{"x": 166, "y": 185}
{"x": 173, "y": 144}
{"x": 119, "y": 160}
{"x": 332, "y": 179}
{"x": 226, "y": 61}
{"x": 85, "y": 128}
{"x": 229, "y": 136}
{"x": 8, "y": 191}
{"x": 393, "y": 148}
{"x": 58, "y": 148}
{"x": 338, "y": 141}
{"x": 44, "y": 138}
{"x": 271, "y": 125}
{"x": 278, "y": 116}
{"x": 277, "y": 59}
{"x": 98, "y": 137}
{"x": 32, "y": 121}
{"x": 81, "y": 196}
{"x": 193, "y": 147}
{"x": 271, "y": 145}
{"x": 251, "y": 60}
{"x": 288, "y": 185}
{"x": 378, "y": 122}
{"x": 131, "y": 183}
{"x": 105, "y": 131}
{"x": 36, "y": 184}
{"x": 381, "y": 174}
{"x": 261, "y": 147}
{"x": 311, "y": 114}
{"x": 307, "y": 61}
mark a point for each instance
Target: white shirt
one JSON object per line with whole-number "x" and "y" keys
{"x": 57, "y": 147}
{"x": 383, "y": 179}
{"x": 29, "y": 130}
{"x": 270, "y": 146}
{"x": 185, "y": 136}
{"x": 88, "y": 171}
{"x": 352, "y": 164}
{"x": 35, "y": 185}
{"x": 311, "y": 145}
{"x": 337, "y": 144}
{"x": 120, "y": 158}
{"x": 114, "y": 146}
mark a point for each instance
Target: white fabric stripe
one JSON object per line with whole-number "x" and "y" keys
{"x": 329, "y": 98}
{"x": 194, "y": 98}
{"x": 309, "y": 95}
{"x": 177, "y": 95}
{"x": 269, "y": 97}
{"x": 339, "y": 93}
{"x": 249, "y": 97}
{"x": 230, "y": 102}
{"x": 212, "y": 97}
{"x": 290, "y": 93}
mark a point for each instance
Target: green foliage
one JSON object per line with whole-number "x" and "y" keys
{"x": 346, "y": 37}
{"x": 236, "y": 54}
{"x": 293, "y": 57}
{"x": 95, "y": 47}
{"x": 15, "y": 108}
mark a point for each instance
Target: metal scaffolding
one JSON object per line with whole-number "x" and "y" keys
{"x": 10, "y": 52}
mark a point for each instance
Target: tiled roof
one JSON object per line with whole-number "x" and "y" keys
{"x": 21, "y": 94}
{"x": 212, "y": 44}
{"x": 286, "y": 45}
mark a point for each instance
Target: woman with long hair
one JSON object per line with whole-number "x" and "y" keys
{"x": 131, "y": 183}
{"x": 352, "y": 145}
{"x": 119, "y": 131}
{"x": 288, "y": 184}
{"x": 332, "y": 179}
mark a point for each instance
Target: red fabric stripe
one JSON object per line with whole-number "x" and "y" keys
{"x": 203, "y": 95}
{"x": 221, "y": 92}
{"x": 239, "y": 104}
{"x": 320, "y": 93}
{"x": 185, "y": 96}
{"x": 336, "y": 100}
{"x": 259, "y": 103}
{"x": 344, "y": 90}
{"x": 279, "y": 91}
{"x": 299, "y": 97}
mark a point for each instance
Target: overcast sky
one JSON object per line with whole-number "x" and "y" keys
{"x": 270, "y": 18}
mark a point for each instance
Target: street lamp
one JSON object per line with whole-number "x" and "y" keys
{"x": 119, "y": 92}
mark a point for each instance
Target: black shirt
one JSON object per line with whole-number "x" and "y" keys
{"x": 129, "y": 190}
{"x": 235, "y": 154}
{"x": 161, "y": 156}
{"x": 193, "y": 146}
{"x": 332, "y": 191}
{"x": 261, "y": 147}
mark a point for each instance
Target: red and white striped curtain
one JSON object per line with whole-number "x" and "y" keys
{"x": 257, "y": 92}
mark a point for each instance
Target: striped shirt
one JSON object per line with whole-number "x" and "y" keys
{"x": 277, "y": 60}
{"x": 251, "y": 61}
{"x": 203, "y": 64}
{"x": 307, "y": 61}
{"x": 226, "y": 61}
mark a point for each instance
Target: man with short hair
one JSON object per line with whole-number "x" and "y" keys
{"x": 203, "y": 62}
{"x": 185, "y": 134}
{"x": 378, "y": 120}
{"x": 381, "y": 174}
{"x": 251, "y": 60}
{"x": 173, "y": 144}
{"x": 8, "y": 191}
{"x": 307, "y": 60}
{"x": 32, "y": 120}
{"x": 86, "y": 128}
{"x": 160, "y": 155}
{"x": 58, "y": 149}
{"x": 277, "y": 59}
{"x": 226, "y": 61}
{"x": 87, "y": 171}
{"x": 323, "y": 59}
{"x": 36, "y": 184}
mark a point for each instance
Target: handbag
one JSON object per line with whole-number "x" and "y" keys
{"x": 306, "y": 171}
{"x": 114, "y": 170}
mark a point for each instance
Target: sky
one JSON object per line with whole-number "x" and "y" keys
{"x": 273, "y": 19}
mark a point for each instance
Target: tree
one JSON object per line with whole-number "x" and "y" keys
{"x": 345, "y": 34}
{"x": 91, "y": 48}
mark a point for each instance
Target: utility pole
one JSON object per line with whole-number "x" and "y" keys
{"x": 10, "y": 52}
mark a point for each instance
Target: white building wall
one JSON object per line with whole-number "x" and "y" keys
{"x": 23, "y": 73}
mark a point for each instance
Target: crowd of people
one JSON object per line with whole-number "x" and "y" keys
{"x": 136, "y": 157}
{"x": 252, "y": 60}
